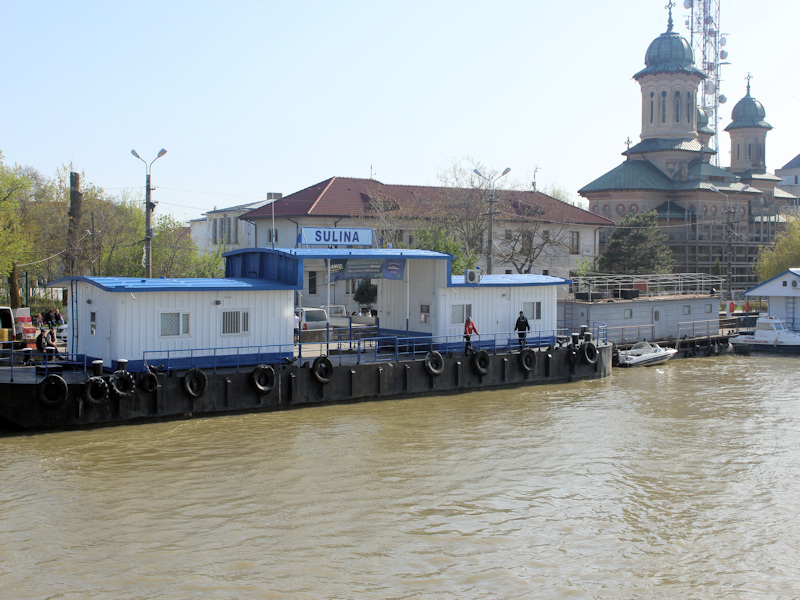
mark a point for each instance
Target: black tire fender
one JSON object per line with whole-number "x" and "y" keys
{"x": 434, "y": 363}
{"x": 589, "y": 353}
{"x": 195, "y": 382}
{"x": 95, "y": 390}
{"x": 527, "y": 359}
{"x": 263, "y": 378}
{"x": 122, "y": 383}
{"x": 148, "y": 382}
{"x": 53, "y": 391}
{"x": 322, "y": 369}
{"x": 481, "y": 362}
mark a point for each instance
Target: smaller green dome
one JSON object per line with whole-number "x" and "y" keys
{"x": 748, "y": 112}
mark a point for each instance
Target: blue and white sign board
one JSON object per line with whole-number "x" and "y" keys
{"x": 334, "y": 236}
{"x": 365, "y": 268}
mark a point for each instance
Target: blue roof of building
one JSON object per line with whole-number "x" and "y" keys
{"x": 509, "y": 280}
{"x": 163, "y": 284}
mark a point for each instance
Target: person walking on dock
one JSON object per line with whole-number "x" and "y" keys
{"x": 522, "y": 327}
{"x": 469, "y": 329}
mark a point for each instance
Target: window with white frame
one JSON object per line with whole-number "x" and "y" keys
{"x": 459, "y": 313}
{"x": 687, "y": 310}
{"x": 93, "y": 322}
{"x": 174, "y": 324}
{"x": 235, "y": 322}
{"x": 532, "y": 310}
{"x": 214, "y": 231}
{"x": 628, "y": 314}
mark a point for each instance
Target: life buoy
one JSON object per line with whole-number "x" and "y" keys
{"x": 527, "y": 359}
{"x": 263, "y": 378}
{"x": 322, "y": 369}
{"x": 95, "y": 390}
{"x": 573, "y": 354}
{"x": 481, "y": 362}
{"x": 122, "y": 383}
{"x": 148, "y": 382}
{"x": 195, "y": 382}
{"x": 53, "y": 391}
{"x": 589, "y": 353}
{"x": 434, "y": 363}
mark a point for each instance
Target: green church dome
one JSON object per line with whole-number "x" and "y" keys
{"x": 748, "y": 112}
{"x": 669, "y": 53}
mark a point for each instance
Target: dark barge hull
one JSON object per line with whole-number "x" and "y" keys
{"x": 41, "y": 404}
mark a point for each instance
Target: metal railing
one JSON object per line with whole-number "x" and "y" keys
{"x": 693, "y": 329}
{"x": 357, "y": 350}
{"x": 14, "y": 359}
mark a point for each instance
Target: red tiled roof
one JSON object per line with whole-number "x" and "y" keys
{"x": 351, "y": 197}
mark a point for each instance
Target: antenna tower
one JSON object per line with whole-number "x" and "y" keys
{"x": 708, "y": 45}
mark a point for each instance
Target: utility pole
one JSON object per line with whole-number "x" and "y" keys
{"x": 148, "y": 211}
{"x": 491, "y": 214}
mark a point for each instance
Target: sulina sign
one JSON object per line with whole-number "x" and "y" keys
{"x": 335, "y": 236}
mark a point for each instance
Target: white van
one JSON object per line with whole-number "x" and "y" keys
{"x": 312, "y": 318}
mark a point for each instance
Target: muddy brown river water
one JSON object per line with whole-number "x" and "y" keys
{"x": 676, "y": 481}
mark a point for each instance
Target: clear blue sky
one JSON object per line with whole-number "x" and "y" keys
{"x": 251, "y": 97}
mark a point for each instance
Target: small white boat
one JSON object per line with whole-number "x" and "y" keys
{"x": 770, "y": 335}
{"x": 645, "y": 354}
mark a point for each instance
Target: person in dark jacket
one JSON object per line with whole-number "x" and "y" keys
{"x": 522, "y": 327}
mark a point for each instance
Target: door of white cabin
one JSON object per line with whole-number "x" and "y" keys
{"x": 657, "y": 327}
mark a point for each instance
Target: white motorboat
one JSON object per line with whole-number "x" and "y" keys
{"x": 770, "y": 335}
{"x": 645, "y": 354}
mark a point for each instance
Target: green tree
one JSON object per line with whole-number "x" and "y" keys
{"x": 14, "y": 242}
{"x": 437, "y": 240}
{"x": 367, "y": 293}
{"x": 636, "y": 246}
{"x": 783, "y": 254}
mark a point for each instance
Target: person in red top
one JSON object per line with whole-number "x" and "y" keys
{"x": 469, "y": 329}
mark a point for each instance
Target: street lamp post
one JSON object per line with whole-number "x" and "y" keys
{"x": 491, "y": 214}
{"x": 148, "y": 211}
{"x": 728, "y": 231}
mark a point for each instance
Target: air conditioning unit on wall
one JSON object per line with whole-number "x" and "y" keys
{"x": 472, "y": 276}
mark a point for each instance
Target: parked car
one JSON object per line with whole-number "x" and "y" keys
{"x": 312, "y": 318}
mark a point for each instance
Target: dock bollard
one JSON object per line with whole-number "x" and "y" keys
{"x": 584, "y": 329}
{"x": 97, "y": 368}
{"x": 587, "y": 336}
{"x": 122, "y": 364}
{"x": 575, "y": 339}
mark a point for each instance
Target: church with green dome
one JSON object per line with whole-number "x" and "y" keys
{"x": 715, "y": 219}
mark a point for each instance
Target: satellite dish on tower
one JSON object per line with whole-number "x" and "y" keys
{"x": 687, "y": 3}
{"x": 722, "y": 41}
{"x": 723, "y": 99}
{"x": 723, "y": 55}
